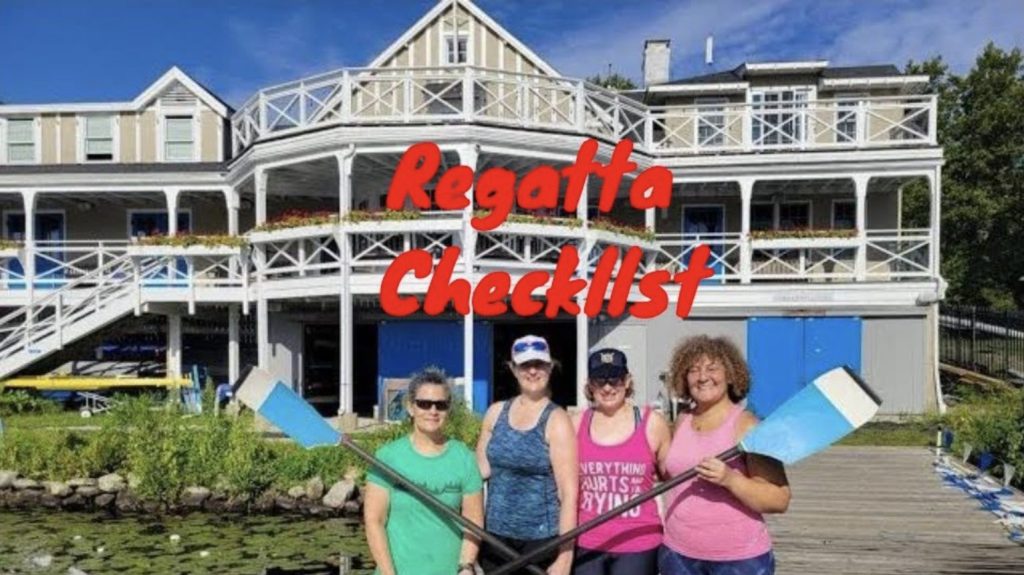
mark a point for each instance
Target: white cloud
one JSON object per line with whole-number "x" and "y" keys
{"x": 955, "y": 29}
{"x": 846, "y": 32}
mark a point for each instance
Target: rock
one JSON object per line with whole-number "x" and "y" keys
{"x": 353, "y": 507}
{"x": 315, "y": 489}
{"x": 126, "y": 501}
{"x": 76, "y": 571}
{"x": 50, "y": 501}
{"x": 7, "y": 479}
{"x": 297, "y": 492}
{"x": 105, "y": 500}
{"x": 83, "y": 482}
{"x": 27, "y": 498}
{"x": 133, "y": 481}
{"x": 340, "y": 493}
{"x": 25, "y": 483}
{"x": 88, "y": 491}
{"x": 43, "y": 560}
{"x": 352, "y": 474}
{"x": 265, "y": 502}
{"x": 285, "y": 503}
{"x": 175, "y": 538}
{"x": 74, "y": 502}
{"x": 216, "y": 503}
{"x": 194, "y": 497}
{"x": 111, "y": 483}
{"x": 58, "y": 488}
{"x": 204, "y": 553}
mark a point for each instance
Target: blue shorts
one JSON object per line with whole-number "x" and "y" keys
{"x": 672, "y": 563}
{"x": 590, "y": 562}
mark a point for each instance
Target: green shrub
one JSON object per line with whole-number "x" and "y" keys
{"x": 992, "y": 423}
{"x": 16, "y": 401}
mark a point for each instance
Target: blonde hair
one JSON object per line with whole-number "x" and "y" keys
{"x": 720, "y": 349}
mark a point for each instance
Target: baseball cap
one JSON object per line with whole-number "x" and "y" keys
{"x": 530, "y": 348}
{"x": 607, "y": 363}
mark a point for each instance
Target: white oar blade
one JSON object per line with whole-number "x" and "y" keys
{"x": 823, "y": 412}
{"x": 274, "y": 399}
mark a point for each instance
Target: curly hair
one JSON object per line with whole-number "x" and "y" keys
{"x": 720, "y": 349}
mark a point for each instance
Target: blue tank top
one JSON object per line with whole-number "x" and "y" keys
{"x": 522, "y": 498}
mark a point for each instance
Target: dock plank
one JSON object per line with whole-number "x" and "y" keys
{"x": 884, "y": 511}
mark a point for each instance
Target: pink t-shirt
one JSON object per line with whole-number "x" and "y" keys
{"x": 611, "y": 475}
{"x": 704, "y": 520}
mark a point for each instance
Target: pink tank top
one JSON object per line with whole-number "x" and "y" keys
{"x": 703, "y": 520}
{"x": 611, "y": 475}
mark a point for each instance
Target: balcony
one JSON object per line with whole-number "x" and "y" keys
{"x": 473, "y": 95}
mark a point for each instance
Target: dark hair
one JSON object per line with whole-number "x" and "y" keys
{"x": 430, "y": 375}
{"x": 689, "y": 352}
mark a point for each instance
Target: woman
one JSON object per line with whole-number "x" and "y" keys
{"x": 620, "y": 448}
{"x": 407, "y": 537}
{"x": 713, "y": 523}
{"x": 527, "y": 452}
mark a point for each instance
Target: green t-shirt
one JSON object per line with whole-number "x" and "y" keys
{"x": 421, "y": 541}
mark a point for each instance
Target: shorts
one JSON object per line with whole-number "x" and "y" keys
{"x": 672, "y": 563}
{"x": 593, "y": 562}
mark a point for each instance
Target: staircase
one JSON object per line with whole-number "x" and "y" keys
{"x": 78, "y": 308}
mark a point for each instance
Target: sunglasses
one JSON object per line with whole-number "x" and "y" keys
{"x": 526, "y": 345}
{"x": 426, "y": 404}
{"x": 599, "y": 383}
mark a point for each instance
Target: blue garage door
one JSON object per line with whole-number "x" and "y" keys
{"x": 405, "y": 347}
{"x": 787, "y": 353}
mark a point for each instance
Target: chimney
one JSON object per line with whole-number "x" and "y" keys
{"x": 656, "y": 62}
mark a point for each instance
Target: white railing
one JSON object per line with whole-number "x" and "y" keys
{"x": 58, "y": 262}
{"x": 467, "y": 94}
{"x": 45, "y": 320}
{"x": 810, "y": 259}
{"x": 675, "y": 250}
{"x": 899, "y": 254}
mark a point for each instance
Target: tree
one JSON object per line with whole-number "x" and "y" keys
{"x": 981, "y": 128}
{"x": 612, "y": 81}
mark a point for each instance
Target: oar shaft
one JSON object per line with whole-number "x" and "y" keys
{"x": 608, "y": 515}
{"x": 438, "y": 505}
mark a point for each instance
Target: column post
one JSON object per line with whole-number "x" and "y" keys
{"x": 746, "y": 252}
{"x": 860, "y": 189}
{"x": 468, "y": 156}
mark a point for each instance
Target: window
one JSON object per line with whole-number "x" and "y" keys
{"x": 21, "y": 140}
{"x": 846, "y": 118}
{"x": 456, "y": 50}
{"x": 711, "y": 121}
{"x": 762, "y": 217}
{"x": 778, "y": 117}
{"x": 844, "y": 215}
{"x": 99, "y": 138}
{"x": 794, "y": 216}
{"x": 178, "y": 139}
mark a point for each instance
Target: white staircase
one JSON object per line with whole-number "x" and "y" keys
{"x": 78, "y": 308}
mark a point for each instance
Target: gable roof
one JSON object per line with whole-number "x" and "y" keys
{"x": 154, "y": 90}
{"x": 437, "y": 11}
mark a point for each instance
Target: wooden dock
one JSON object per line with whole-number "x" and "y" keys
{"x": 884, "y": 510}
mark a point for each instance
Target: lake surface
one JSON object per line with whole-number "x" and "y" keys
{"x": 100, "y": 544}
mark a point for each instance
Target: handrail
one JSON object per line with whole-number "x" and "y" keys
{"x": 463, "y": 93}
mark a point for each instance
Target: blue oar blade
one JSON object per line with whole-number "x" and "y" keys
{"x": 830, "y": 408}
{"x": 273, "y": 399}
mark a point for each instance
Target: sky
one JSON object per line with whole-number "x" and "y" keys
{"x": 111, "y": 50}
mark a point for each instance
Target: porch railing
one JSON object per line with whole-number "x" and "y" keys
{"x": 468, "y": 94}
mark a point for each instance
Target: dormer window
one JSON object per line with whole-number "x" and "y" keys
{"x": 21, "y": 140}
{"x": 456, "y": 49}
{"x": 99, "y": 138}
{"x": 179, "y": 141}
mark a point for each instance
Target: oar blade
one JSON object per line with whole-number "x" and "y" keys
{"x": 823, "y": 412}
{"x": 273, "y": 399}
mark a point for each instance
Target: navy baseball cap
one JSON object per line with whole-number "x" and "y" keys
{"x": 607, "y": 363}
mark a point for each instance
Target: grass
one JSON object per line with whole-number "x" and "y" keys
{"x": 916, "y": 433}
{"x": 60, "y": 419}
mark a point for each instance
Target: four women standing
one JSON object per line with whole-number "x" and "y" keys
{"x": 545, "y": 471}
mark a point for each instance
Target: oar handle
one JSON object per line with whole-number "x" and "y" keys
{"x": 726, "y": 455}
{"x": 432, "y": 501}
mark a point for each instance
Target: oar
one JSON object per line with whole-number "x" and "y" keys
{"x": 831, "y": 407}
{"x": 275, "y": 400}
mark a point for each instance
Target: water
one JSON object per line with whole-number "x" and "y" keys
{"x": 230, "y": 544}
